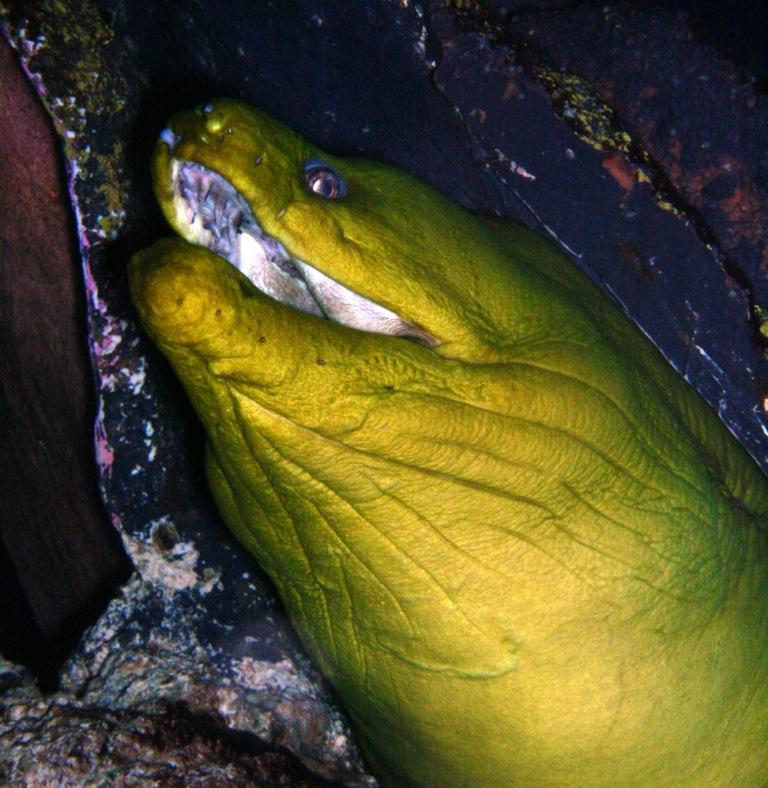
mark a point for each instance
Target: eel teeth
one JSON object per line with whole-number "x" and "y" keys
{"x": 212, "y": 213}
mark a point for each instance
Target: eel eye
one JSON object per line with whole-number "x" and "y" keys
{"x": 323, "y": 180}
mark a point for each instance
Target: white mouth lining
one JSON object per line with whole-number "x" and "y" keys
{"x": 212, "y": 213}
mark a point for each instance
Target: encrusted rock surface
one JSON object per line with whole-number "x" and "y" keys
{"x": 138, "y": 705}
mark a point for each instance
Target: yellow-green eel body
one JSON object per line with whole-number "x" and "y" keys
{"x": 518, "y": 544}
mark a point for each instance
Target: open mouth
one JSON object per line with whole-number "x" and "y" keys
{"x": 212, "y": 213}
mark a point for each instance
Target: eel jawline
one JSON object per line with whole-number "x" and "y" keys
{"x": 214, "y": 214}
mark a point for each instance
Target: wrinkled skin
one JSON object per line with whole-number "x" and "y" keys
{"x": 530, "y": 555}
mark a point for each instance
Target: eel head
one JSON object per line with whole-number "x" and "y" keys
{"x": 520, "y": 547}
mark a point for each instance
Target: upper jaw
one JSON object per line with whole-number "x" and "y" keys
{"x": 210, "y": 212}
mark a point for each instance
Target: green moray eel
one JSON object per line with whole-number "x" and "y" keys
{"x": 520, "y": 547}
